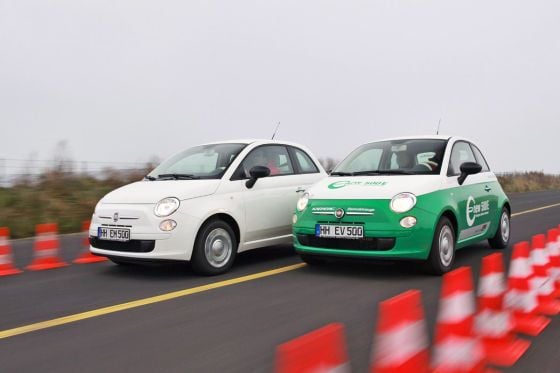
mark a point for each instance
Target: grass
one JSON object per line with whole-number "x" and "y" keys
{"x": 68, "y": 199}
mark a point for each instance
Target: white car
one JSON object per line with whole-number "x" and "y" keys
{"x": 206, "y": 204}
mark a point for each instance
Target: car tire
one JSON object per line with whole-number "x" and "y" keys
{"x": 312, "y": 260}
{"x": 215, "y": 248}
{"x": 442, "y": 253}
{"x": 503, "y": 233}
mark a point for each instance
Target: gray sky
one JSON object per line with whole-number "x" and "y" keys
{"x": 126, "y": 80}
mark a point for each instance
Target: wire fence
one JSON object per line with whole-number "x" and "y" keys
{"x": 14, "y": 170}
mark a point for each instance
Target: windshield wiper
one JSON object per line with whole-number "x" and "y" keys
{"x": 341, "y": 173}
{"x": 396, "y": 172}
{"x": 178, "y": 176}
{"x": 148, "y": 177}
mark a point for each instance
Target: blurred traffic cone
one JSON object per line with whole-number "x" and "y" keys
{"x": 322, "y": 350}
{"x": 553, "y": 248}
{"x": 520, "y": 299}
{"x": 493, "y": 324}
{"x": 541, "y": 281}
{"x": 456, "y": 348}
{"x": 401, "y": 342}
{"x": 87, "y": 256}
{"x": 6, "y": 259}
{"x": 46, "y": 248}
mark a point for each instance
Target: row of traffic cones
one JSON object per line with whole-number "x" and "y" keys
{"x": 46, "y": 250}
{"x": 467, "y": 338}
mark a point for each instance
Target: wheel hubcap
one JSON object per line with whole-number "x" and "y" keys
{"x": 446, "y": 246}
{"x": 504, "y": 226}
{"x": 218, "y": 247}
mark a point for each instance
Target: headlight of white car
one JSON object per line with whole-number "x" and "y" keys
{"x": 302, "y": 202}
{"x": 166, "y": 207}
{"x": 403, "y": 202}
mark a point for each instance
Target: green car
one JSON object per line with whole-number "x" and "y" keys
{"x": 417, "y": 198}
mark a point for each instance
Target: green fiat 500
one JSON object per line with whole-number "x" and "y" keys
{"x": 416, "y": 198}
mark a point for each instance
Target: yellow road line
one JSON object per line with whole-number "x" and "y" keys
{"x": 534, "y": 210}
{"x": 142, "y": 302}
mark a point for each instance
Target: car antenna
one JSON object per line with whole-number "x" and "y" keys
{"x": 275, "y": 131}
{"x": 439, "y": 123}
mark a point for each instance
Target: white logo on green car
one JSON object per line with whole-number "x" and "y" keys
{"x": 476, "y": 210}
{"x": 343, "y": 183}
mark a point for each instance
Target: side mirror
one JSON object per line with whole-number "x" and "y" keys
{"x": 256, "y": 173}
{"x": 468, "y": 168}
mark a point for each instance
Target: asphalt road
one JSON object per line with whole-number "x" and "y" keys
{"x": 233, "y": 328}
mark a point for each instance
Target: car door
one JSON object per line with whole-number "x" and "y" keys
{"x": 473, "y": 201}
{"x": 270, "y": 203}
{"x": 490, "y": 186}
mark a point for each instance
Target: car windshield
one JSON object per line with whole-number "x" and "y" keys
{"x": 201, "y": 162}
{"x": 394, "y": 157}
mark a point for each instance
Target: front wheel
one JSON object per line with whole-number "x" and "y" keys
{"x": 442, "y": 253}
{"x": 215, "y": 248}
{"x": 501, "y": 238}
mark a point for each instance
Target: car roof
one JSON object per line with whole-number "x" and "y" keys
{"x": 426, "y": 137}
{"x": 254, "y": 141}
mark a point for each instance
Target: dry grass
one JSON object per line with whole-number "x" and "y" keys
{"x": 529, "y": 182}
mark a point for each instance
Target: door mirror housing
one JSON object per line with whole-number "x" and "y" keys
{"x": 468, "y": 168}
{"x": 256, "y": 173}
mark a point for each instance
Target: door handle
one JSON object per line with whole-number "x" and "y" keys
{"x": 487, "y": 188}
{"x": 300, "y": 189}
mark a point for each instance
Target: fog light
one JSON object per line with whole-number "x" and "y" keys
{"x": 294, "y": 219}
{"x": 408, "y": 222}
{"x": 167, "y": 225}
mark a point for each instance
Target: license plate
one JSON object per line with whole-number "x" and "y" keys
{"x": 113, "y": 234}
{"x": 339, "y": 231}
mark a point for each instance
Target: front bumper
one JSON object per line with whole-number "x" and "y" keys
{"x": 147, "y": 241}
{"x": 384, "y": 238}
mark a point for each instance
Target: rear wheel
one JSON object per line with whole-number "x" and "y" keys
{"x": 215, "y": 248}
{"x": 442, "y": 253}
{"x": 312, "y": 260}
{"x": 501, "y": 238}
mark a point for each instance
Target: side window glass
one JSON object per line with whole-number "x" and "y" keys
{"x": 480, "y": 158}
{"x": 274, "y": 157}
{"x": 460, "y": 154}
{"x": 305, "y": 163}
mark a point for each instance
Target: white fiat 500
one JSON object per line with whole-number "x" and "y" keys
{"x": 206, "y": 204}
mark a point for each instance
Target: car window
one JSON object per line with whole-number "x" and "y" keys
{"x": 460, "y": 154}
{"x": 306, "y": 165}
{"x": 480, "y": 158}
{"x": 367, "y": 160}
{"x": 275, "y": 157}
{"x": 204, "y": 162}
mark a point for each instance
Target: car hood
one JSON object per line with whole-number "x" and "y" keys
{"x": 153, "y": 191}
{"x": 373, "y": 187}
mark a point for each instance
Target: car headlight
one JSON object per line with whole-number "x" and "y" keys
{"x": 166, "y": 207}
{"x": 302, "y": 202}
{"x": 403, "y": 202}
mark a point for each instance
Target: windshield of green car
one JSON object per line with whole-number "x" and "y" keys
{"x": 394, "y": 157}
{"x": 201, "y": 162}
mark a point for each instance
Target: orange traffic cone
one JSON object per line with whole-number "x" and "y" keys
{"x": 46, "y": 248}
{"x": 401, "y": 342}
{"x": 87, "y": 256}
{"x": 456, "y": 348}
{"x": 322, "y": 350}
{"x": 553, "y": 248}
{"x": 541, "y": 281}
{"x": 520, "y": 299}
{"x": 493, "y": 324}
{"x": 6, "y": 259}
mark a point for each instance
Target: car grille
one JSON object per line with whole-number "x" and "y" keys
{"x": 366, "y": 244}
{"x": 132, "y": 246}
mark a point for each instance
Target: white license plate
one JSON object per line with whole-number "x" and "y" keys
{"x": 113, "y": 234}
{"x": 339, "y": 231}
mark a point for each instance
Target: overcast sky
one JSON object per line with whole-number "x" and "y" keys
{"x": 127, "y": 80}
